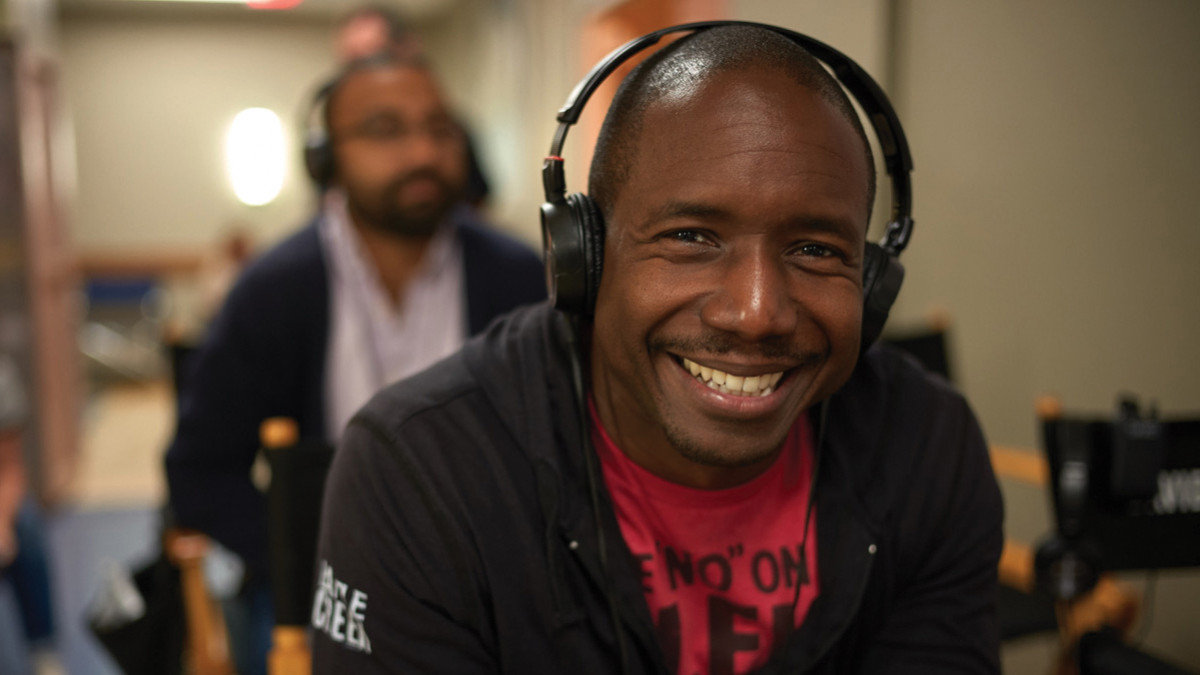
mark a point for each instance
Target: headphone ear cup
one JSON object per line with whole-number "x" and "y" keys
{"x": 882, "y": 276}
{"x": 573, "y": 249}
{"x": 592, "y": 225}
{"x": 318, "y": 145}
{"x": 318, "y": 158}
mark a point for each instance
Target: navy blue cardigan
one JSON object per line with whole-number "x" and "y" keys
{"x": 264, "y": 356}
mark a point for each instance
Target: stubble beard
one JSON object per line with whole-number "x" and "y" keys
{"x": 382, "y": 213}
{"x": 698, "y": 453}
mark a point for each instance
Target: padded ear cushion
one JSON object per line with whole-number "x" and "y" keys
{"x": 318, "y": 146}
{"x": 561, "y": 250}
{"x": 882, "y": 276}
{"x": 591, "y": 223}
{"x": 318, "y": 158}
{"x": 573, "y": 248}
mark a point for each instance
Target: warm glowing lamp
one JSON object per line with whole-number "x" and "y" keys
{"x": 256, "y": 156}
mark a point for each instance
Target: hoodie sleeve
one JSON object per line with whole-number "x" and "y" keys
{"x": 395, "y": 590}
{"x": 948, "y": 519}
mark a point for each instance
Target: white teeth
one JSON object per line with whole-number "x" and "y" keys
{"x": 753, "y": 385}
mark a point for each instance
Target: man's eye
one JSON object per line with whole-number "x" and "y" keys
{"x": 380, "y": 128}
{"x": 817, "y": 251}
{"x": 689, "y": 237}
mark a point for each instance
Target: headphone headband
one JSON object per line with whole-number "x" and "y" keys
{"x": 862, "y": 87}
{"x": 573, "y": 226}
{"x": 318, "y": 138}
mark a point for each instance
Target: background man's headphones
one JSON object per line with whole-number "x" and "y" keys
{"x": 573, "y": 227}
{"x": 318, "y": 147}
{"x": 318, "y": 141}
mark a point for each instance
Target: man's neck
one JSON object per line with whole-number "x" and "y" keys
{"x": 396, "y": 259}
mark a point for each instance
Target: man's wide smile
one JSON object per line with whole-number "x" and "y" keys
{"x": 761, "y": 384}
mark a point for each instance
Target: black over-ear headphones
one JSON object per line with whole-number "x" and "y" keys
{"x": 318, "y": 146}
{"x": 573, "y": 227}
{"x": 318, "y": 141}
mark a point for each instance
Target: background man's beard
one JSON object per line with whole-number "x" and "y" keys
{"x": 404, "y": 221}
{"x": 410, "y": 223}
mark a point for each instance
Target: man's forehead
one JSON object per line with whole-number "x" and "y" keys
{"x": 772, "y": 86}
{"x": 748, "y": 110}
{"x": 376, "y": 84}
{"x": 388, "y": 75}
{"x": 740, "y": 132}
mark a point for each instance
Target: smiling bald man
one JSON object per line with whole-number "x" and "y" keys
{"x": 738, "y": 486}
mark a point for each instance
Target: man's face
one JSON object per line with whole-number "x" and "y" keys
{"x": 399, "y": 154}
{"x": 734, "y": 251}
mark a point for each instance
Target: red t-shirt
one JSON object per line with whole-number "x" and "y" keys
{"x": 719, "y": 567}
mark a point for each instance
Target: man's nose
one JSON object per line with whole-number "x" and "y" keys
{"x": 752, "y": 298}
{"x": 423, "y": 148}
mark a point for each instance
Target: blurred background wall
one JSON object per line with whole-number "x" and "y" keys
{"x": 1055, "y": 143}
{"x": 152, "y": 97}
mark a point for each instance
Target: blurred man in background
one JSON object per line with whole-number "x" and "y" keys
{"x": 372, "y": 29}
{"x": 392, "y": 275}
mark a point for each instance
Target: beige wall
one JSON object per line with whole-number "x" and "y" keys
{"x": 1057, "y": 151}
{"x": 857, "y": 28}
{"x": 152, "y": 97}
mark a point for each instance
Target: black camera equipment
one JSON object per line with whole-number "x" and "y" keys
{"x": 1126, "y": 496}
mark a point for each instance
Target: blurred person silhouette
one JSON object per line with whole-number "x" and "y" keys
{"x": 26, "y": 616}
{"x": 14, "y": 650}
{"x": 393, "y": 274}
{"x": 372, "y": 29}
{"x": 221, "y": 266}
{"x": 218, "y": 270}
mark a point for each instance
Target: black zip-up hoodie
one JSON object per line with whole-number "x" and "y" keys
{"x": 458, "y": 534}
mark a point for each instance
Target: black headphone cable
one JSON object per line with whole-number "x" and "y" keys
{"x": 590, "y": 460}
{"x": 812, "y": 499}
